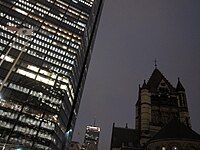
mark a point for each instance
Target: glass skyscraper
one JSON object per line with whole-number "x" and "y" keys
{"x": 40, "y": 94}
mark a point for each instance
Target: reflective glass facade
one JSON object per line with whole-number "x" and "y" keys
{"x": 40, "y": 100}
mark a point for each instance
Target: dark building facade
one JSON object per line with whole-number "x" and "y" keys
{"x": 176, "y": 135}
{"x": 41, "y": 95}
{"x": 125, "y": 139}
{"x": 162, "y": 119}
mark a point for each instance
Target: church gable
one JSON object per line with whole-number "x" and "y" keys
{"x": 158, "y": 80}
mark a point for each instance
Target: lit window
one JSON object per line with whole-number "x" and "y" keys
{"x": 64, "y": 87}
{"x": 20, "y": 11}
{"x": 7, "y": 58}
{"x": 45, "y": 72}
{"x": 26, "y": 73}
{"x": 74, "y": 1}
{"x": 45, "y": 80}
{"x": 33, "y": 68}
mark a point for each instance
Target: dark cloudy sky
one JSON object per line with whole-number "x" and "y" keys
{"x": 131, "y": 34}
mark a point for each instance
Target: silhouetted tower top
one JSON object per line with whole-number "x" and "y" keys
{"x": 179, "y": 86}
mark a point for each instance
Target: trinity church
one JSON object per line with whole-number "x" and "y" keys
{"x": 162, "y": 120}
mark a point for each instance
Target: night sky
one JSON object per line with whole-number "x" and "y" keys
{"x": 131, "y": 34}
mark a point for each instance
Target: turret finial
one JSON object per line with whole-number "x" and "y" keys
{"x": 144, "y": 86}
{"x": 94, "y": 122}
{"x": 155, "y": 63}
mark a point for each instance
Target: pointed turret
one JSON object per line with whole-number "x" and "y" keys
{"x": 179, "y": 86}
{"x": 144, "y": 86}
{"x": 182, "y": 103}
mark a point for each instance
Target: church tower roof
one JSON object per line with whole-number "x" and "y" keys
{"x": 155, "y": 80}
{"x": 179, "y": 86}
{"x": 176, "y": 130}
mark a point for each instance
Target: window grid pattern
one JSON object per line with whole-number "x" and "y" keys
{"x": 40, "y": 93}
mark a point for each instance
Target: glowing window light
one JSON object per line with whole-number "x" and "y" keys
{"x": 26, "y": 73}
{"x": 7, "y": 58}
{"x": 64, "y": 87}
{"x": 74, "y": 1}
{"x": 45, "y": 72}
{"x": 20, "y": 11}
{"x": 45, "y": 80}
{"x": 174, "y": 148}
{"x": 33, "y": 68}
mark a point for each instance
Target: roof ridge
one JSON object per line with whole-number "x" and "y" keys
{"x": 176, "y": 129}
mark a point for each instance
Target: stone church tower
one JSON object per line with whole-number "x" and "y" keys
{"x": 162, "y": 119}
{"x": 158, "y": 102}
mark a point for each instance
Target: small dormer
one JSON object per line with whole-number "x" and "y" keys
{"x": 163, "y": 87}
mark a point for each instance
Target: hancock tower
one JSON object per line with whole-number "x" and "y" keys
{"x": 41, "y": 95}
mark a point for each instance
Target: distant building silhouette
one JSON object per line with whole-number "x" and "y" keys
{"x": 124, "y": 138}
{"x": 91, "y": 138}
{"x": 162, "y": 119}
